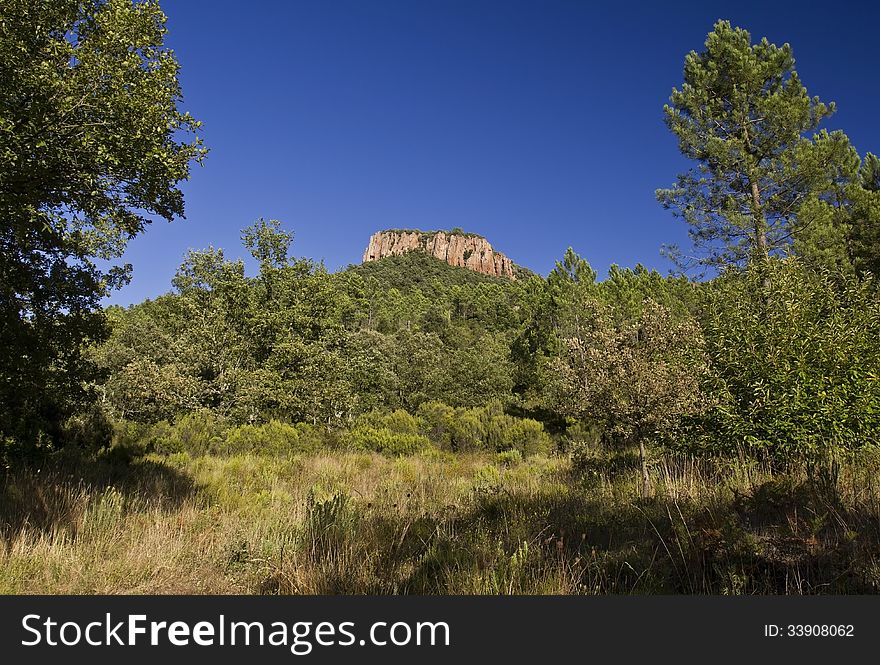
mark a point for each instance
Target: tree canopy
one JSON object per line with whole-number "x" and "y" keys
{"x": 93, "y": 145}
{"x": 745, "y": 117}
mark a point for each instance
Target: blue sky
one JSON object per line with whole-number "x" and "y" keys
{"x": 536, "y": 124}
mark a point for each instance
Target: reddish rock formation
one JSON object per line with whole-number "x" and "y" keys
{"x": 457, "y": 249}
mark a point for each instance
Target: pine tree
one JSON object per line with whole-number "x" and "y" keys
{"x": 742, "y": 114}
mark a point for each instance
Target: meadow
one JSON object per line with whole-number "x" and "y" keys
{"x": 433, "y": 522}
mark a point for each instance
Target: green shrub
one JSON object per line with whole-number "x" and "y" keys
{"x": 398, "y": 421}
{"x": 522, "y": 434}
{"x": 587, "y": 461}
{"x": 466, "y": 431}
{"x": 509, "y": 458}
{"x": 274, "y": 437}
{"x": 437, "y": 422}
{"x": 196, "y": 433}
{"x": 89, "y": 430}
{"x": 129, "y": 434}
{"x": 578, "y": 435}
{"x": 484, "y": 428}
{"x": 401, "y": 422}
{"x": 794, "y": 358}
{"x": 386, "y": 441}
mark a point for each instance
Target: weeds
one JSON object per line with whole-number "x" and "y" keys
{"x": 469, "y": 523}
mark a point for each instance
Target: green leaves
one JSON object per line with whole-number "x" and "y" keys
{"x": 795, "y": 374}
{"x": 742, "y": 114}
{"x": 92, "y": 145}
{"x": 635, "y": 375}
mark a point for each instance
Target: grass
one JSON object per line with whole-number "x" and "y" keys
{"x": 430, "y": 523}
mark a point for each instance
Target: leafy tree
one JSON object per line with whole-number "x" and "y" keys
{"x": 246, "y": 349}
{"x": 148, "y": 379}
{"x": 478, "y": 374}
{"x": 742, "y": 115}
{"x": 796, "y": 378}
{"x": 417, "y": 362}
{"x": 636, "y": 378}
{"x": 536, "y": 341}
{"x": 92, "y": 143}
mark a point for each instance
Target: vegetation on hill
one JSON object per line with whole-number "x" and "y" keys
{"x": 416, "y": 270}
{"x": 456, "y": 231}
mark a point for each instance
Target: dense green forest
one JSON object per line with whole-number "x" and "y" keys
{"x": 409, "y": 426}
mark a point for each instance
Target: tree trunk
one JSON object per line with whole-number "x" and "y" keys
{"x": 761, "y": 240}
{"x": 760, "y": 222}
{"x": 759, "y": 218}
{"x": 643, "y": 459}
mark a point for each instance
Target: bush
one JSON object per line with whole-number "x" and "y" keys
{"x": 467, "y": 432}
{"x": 437, "y": 422}
{"x": 794, "y": 359}
{"x": 130, "y": 434}
{"x": 524, "y": 435}
{"x": 196, "y": 433}
{"x": 274, "y": 437}
{"x": 583, "y": 458}
{"x": 398, "y": 421}
{"x": 386, "y": 441}
{"x": 580, "y": 434}
{"x": 90, "y": 430}
{"x": 484, "y": 428}
{"x": 509, "y": 458}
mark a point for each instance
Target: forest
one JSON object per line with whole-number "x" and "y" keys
{"x": 407, "y": 426}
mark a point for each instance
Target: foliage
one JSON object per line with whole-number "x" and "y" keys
{"x": 386, "y": 441}
{"x": 273, "y": 438}
{"x": 742, "y": 114}
{"x": 796, "y": 376}
{"x": 246, "y": 348}
{"x": 636, "y": 378}
{"x": 865, "y": 218}
{"x": 297, "y": 344}
{"x": 196, "y": 433}
{"x": 417, "y": 270}
{"x": 483, "y": 428}
{"x": 836, "y": 225}
{"x": 93, "y": 145}
{"x": 202, "y": 433}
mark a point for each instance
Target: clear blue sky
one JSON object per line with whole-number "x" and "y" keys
{"x": 536, "y": 124}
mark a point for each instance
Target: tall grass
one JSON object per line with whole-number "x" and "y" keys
{"x": 432, "y": 522}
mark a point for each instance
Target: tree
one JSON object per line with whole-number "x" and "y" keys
{"x": 742, "y": 114}
{"x": 628, "y": 289}
{"x": 838, "y": 222}
{"x": 247, "y": 349}
{"x": 636, "y": 378}
{"x": 92, "y": 144}
{"x": 795, "y": 378}
{"x": 865, "y": 224}
{"x": 572, "y": 269}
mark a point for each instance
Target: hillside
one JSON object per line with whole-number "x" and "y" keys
{"x": 415, "y": 270}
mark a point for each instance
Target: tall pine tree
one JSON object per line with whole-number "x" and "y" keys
{"x": 743, "y": 115}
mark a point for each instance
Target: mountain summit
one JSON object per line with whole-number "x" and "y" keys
{"x": 457, "y": 248}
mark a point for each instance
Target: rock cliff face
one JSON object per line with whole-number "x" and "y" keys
{"x": 465, "y": 250}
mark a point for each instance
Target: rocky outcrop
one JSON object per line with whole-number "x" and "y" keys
{"x": 465, "y": 250}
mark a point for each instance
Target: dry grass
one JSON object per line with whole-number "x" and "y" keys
{"x": 431, "y": 523}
